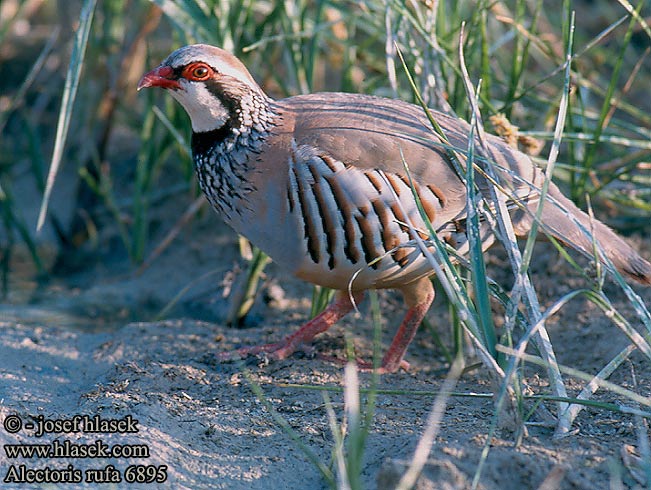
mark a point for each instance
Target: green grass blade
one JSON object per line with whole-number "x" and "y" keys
{"x": 189, "y": 18}
{"x": 289, "y": 431}
{"x": 589, "y": 161}
{"x": 478, "y": 265}
{"x": 69, "y": 94}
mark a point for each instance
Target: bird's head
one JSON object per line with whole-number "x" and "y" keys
{"x": 210, "y": 84}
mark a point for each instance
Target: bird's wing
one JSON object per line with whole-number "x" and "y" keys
{"x": 370, "y": 133}
{"x": 347, "y": 189}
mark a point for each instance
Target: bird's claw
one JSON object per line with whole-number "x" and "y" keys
{"x": 276, "y": 351}
{"x": 366, "y": 367}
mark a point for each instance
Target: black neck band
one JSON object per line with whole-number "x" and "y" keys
{"x": 203, "y": 142}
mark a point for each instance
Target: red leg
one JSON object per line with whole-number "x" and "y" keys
{"x": 418, "y": 296}
{"x": 285, "y": 348}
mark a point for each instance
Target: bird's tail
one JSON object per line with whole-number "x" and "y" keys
{"x": 564, "y": 220}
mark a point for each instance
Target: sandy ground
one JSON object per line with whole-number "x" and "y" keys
{"x": 73, "y": 347}
{"x": 85, "y": 343}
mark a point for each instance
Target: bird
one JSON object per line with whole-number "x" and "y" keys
{"x": 319, "y": 182}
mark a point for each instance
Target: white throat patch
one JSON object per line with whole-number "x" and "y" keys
{"x": 205, "y": 109}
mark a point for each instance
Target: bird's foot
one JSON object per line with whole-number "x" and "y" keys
{"x": 276, "y": 351}
{"x": 300, "y": 339}
{"x": 282, "y": 350}
{"x": 366, "y": 367}
{"x": 385, "y": 368}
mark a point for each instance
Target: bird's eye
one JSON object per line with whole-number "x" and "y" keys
{"x": 198, "y": 72}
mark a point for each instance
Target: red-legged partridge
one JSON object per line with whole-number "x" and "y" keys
{"x": 318, "y": 182}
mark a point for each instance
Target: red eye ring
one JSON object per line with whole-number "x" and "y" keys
{"x": 197, "y": 72}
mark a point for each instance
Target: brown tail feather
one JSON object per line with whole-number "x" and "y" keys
{"x": 556, "y": 220}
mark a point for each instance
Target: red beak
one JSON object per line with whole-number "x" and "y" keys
{"x": 163, "y": 77}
